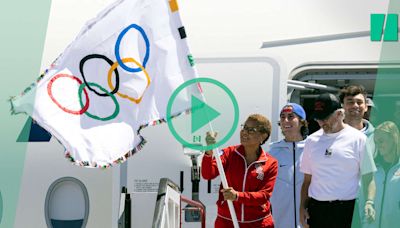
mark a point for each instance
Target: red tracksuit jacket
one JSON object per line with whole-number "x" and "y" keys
{"x": 254, "y": 184}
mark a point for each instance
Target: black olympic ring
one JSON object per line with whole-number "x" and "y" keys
{"x": 98, "y": 56}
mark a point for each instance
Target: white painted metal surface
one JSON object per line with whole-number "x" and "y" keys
{"x": 226, "y": 38}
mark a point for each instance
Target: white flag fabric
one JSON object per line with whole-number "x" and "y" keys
{"x": 114, "y": 79}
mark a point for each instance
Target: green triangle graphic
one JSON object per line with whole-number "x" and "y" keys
{"x": 202, "y": 114}
{"x": 24, "y": 135}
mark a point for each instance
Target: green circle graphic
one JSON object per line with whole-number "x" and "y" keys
{"x": 194, "y": 145}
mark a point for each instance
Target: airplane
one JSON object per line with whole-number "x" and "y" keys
{"x": 266, "y": 52}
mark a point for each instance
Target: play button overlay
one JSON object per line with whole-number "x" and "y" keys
{"x": 202, "y": 114}
{"x": 210, "y": 105}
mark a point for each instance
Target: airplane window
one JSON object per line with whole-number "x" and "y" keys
{"x": 67, "y": 204}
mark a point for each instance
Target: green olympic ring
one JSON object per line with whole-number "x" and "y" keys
{"x": 112, "y": 116}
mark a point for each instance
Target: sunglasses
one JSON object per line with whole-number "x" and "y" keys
{"x": 250, "y": 130}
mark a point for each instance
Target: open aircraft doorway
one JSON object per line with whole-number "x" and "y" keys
{"x": 334, "y": 76}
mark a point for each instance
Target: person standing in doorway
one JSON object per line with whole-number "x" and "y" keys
{"x": 285, "y": 199}
{"x": 334, "y": 159}
{"x": 354, "y": 100}
{"x": 371, "y": 108}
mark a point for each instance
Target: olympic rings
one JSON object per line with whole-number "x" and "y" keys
{"x": 49, "y": 91}
{"x": 112, "y": 116}
{"x": 93, "y": 56}
{"x": 118, "y": 43}
{"x": 115, "y": 65}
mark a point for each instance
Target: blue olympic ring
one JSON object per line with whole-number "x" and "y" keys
{"x": 118, "y": 43}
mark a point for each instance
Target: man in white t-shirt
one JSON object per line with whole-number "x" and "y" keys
{"x": 333, "y": 163}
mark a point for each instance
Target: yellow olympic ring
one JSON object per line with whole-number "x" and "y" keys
{"x": 114, "y": 66}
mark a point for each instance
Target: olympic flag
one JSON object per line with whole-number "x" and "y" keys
{"x": 114, "y": 79}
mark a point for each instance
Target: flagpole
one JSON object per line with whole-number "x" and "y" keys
{"x": 222, "y": 175}
{"x": 225, "y": 185}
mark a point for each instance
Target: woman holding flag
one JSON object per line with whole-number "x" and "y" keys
{"x": 250, "y": 172}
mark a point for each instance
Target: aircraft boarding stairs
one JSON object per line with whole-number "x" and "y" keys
{"x": 168, "y": 209}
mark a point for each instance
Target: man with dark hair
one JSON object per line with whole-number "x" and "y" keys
{"x": 285, "y": 199}
{"x": 334, "y": 160}
{"x": 354, "y": 100}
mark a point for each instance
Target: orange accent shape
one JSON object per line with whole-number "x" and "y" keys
{"x": 173, "y": 4}
{"x": 110, "y": 73}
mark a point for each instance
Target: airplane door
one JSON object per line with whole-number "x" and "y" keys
{"x": 259, "y": 87}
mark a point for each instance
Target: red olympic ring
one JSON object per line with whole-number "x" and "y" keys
{"x": 49, "y": 91}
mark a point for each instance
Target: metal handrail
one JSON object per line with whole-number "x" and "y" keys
{"x": 198, "y": 205}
